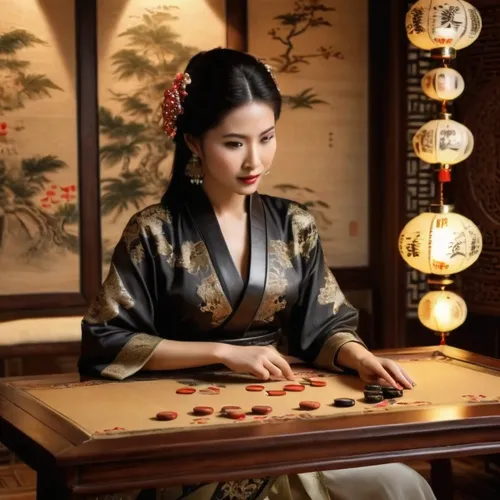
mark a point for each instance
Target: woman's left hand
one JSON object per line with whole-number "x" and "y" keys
{"x": 382, "y": 371}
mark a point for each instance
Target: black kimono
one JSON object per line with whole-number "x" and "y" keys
{"x": 172, "y": 277}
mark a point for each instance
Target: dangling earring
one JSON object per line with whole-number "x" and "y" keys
{"x": 194, "y": 170}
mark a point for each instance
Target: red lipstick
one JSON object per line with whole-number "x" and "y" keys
{"x": 250, "y": 179}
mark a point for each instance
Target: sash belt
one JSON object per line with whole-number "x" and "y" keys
{"x": 253, "y": 338}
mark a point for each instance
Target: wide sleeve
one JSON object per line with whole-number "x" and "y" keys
{"x": 322, "y": 320}
{"x": 118, "y": 331}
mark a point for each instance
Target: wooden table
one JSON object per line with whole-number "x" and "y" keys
{"x": 92, "y": 437}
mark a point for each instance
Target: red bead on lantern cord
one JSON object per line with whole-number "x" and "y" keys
{"x": 444, "y": 175}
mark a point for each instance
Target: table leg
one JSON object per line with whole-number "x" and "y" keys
{"x": 442, "y": 478}
{"x": 50, "y": 488}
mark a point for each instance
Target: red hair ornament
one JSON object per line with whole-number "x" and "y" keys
{"x": 172, "y": 103}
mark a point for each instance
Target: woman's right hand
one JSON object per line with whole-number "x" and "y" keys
{"x": 261, "y": 361}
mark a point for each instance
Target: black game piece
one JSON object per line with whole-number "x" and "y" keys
{"x": 343, "y": 402}
{"x": 374, "y": 393}
{"x": 390, "y": 393}
{"x": 373, "y": 387}
{"x": 374, "y": 397}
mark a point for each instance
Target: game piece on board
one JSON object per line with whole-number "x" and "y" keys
{"x": 203, "y": 410}
{"x": 374, "y": 393}
{"x": 294, "y": 387}
{"x": 186, "y": 390}
{"x": 227, "y": 408}
{"x": 343, "y": 402}
{"x": 389, "y": 388}
{"x": 262, "y": 410}
{"x": 166, "y": 415}
{"x": 317, "y": 383}
{"x": 392, "y": 392}
{"x": 309, "y": 405}
{"x": 235, "y": 414}
{"x": 373, "y": 397}
{"x": 373, "y": 387}
{"x": 254, "y": 388}
{"x": 276, "y": 393}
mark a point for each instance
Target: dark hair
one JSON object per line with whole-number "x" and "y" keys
{"x": 221, "y": 80}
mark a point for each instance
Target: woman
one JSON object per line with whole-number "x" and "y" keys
{"x": 216, "y": 273}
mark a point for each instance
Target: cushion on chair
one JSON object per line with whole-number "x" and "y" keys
{"x": 40, "y": 330}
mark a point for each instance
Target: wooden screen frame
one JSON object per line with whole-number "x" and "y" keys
{"x": 51, "y": 304}
{"x": 383, "y": 276}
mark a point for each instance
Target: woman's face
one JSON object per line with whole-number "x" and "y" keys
{"x": 240, "y": 150}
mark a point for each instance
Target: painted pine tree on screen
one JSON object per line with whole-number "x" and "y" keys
{"x": 133, "y": 139}
{"x": 34, "y": 210}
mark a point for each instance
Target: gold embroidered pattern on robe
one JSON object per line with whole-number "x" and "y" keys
{"x": 305, "y": 239}
{"x": 196, "y": 260}
{"x": 331, "y": 292}
{"x": 113, "y": 294}
{"x": 150, "y": 221}
{"x": 194, "y": 257}
{"x": 210, "y": 292}
{"x": 274, "y": 299}
{"x": 132, "y": 357}
{"x": 305, "y": 233}
{"x": 246, "y": 489}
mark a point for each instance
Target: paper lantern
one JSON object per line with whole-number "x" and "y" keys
{"x": 443, "y": 141}
{"x": 442, "y": 311}
{"x": 440, "y": 243}
{"x": 432, "y": 24}
{"x": 443, "y": 84}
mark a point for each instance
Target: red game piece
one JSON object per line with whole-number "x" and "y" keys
{"x": 276, "y": 393}
{"x": 262, "y": 410}
{"x": 186, "y": 390}
{"x": 213, "y": 388}
{"x": 203, "y": 410}
{"x": 209, "y": 392}
{"x": 318, "y": 383}
{"x": 166, "y": 415}
{"x": 254, "y": 388}
{"x": 227, "y": 408}
{"x": 294, "y": 387}
{"x": 235, "y": 414}
{"x": 309, "y": 405}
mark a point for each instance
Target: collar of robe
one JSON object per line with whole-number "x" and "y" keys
{"x": 245, "y": 297}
